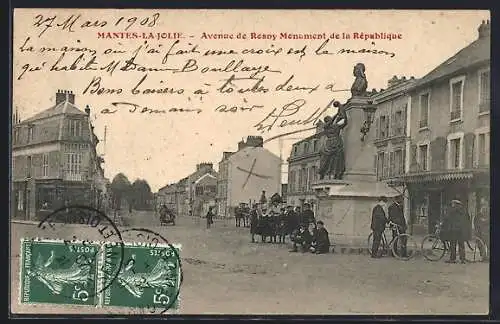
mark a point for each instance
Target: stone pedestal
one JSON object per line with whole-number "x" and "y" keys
{"x": 345, "y": 206}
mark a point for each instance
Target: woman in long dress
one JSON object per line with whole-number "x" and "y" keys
{"x": 332, "y": 157}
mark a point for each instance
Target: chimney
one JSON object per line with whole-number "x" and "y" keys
{"x": 484, "y": 29}
{"x": 87, "y": 108}
{"x": 255, "y": 141}
{"x": 241, "y": 145}
{"x": 71, "y": 97}
{"x": 392, "y": 82}
{"x": 60, "y": 97}
{"x": 65, "y": 95}
{"x": 319, "y": 126}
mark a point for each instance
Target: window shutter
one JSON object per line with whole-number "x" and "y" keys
{"x": 377, "y": 128}
{"x": 386, "y": 165}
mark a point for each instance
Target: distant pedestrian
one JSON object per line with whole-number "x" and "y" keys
{"x": 379, "y": 220}
{"x": 254, "y": 222}
{"x": 210, "y": 217}
{"x": 456, "y": 229}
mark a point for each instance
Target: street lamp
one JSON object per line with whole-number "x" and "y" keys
{"x": 369, "y": 114}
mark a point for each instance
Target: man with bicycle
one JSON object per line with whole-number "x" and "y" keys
{"x": 396, "y": 216}
{"x": 456, "y": 229}
{"x": 379, "y": 220}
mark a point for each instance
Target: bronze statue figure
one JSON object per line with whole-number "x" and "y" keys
{"x": 332, "y": 158}
{"x": 360, "y": 84}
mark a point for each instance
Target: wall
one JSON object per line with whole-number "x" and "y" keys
{"x": 267, "y": 164}
{"x": 439, "y": 120}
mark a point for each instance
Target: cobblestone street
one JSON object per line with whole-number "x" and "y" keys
{"x": 222, "y": 271}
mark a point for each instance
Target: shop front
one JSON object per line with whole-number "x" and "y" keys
{"x": 431, "y": 194}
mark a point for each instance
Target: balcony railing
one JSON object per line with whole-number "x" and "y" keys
{"x": 423, "y": 123}
{"x": 73, "y": 177}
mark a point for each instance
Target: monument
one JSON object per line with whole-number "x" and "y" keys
{"x": 347, "y": 188}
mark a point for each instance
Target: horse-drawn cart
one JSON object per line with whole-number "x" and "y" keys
{"x": 167, "y": 216}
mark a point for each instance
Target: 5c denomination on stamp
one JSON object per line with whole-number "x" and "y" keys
{"x": 58, "y": 272}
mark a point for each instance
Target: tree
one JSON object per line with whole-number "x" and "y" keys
{"x": 120, "y": 189}
{"x": 141, "y": 195}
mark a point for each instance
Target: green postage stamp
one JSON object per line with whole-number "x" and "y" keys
{"x": 80, "y": 273}
{"x": 58, "y": 272}
{"x": 150, "y": 277}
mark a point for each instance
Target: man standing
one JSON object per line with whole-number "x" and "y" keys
{"x": 482, "y": 227}
{"x": 456, "y": 229}
{"x": 308, "y": 215}
{"x": 396, "y": 215}
{"x": 210, "y": 217}
{"x": 254, "y": 222}
{"x": 379, "y": 219}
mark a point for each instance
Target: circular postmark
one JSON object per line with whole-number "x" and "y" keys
{"x": 156, "y": 266}
{"x": 86, "y": 251}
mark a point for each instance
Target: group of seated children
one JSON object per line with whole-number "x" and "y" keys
{"x": 312, "y": 237}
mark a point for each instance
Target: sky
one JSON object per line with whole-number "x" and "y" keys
{"x": 162, "y": 148}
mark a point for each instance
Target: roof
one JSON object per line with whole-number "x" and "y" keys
{"x": 204, "y": 176}
{"x": 251, "y": 149}
{"x": 61, "y": 108}
{"x": 475, "y": 53}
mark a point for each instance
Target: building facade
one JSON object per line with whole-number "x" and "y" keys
{"x": 54, "y": 160}
{"x": 181, "y": 196}
{"x": 244, "y": 174}
{"x": 205, "y": 191}
{"x": 449, "y": 133}
{"x": 303, "y": 166}
{"x": 390, "y": 121}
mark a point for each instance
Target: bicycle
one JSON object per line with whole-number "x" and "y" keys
{"x": 434, "y": 249}
{"x": 397, "y": 244}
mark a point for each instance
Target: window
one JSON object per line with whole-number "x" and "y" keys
{"x": 291, "y": 181}
{"x": 384, "y": 127}
{"x": 483, "y": 157}
{"x": 31, "y": 131}
{"x": 398, "y": 123}
{"x": 423, "y": 211}
{"x": 20, "y": 200}
{"x": 199, "y": 190}
{"x": 28, "y": 166}
{"x": 16, "y": 135}
{"x": 75, "y": 127}
{"x": 424, "y": 110}
{"x": 73, "y": 162}
{"x": 455, "y": 151}
{"x": 398, "y": 162}
{"x": 295, "y": 150}
{"x": 313, "y": 173}
{"x": 380, "y": 165}
{"x": 315, "y": 145}
{"x": 306, "y": 148}
{"x": 392, "y": 169}
{"x": 456, "y": 98}
{"x": 45, "y": 164}
{"x": 484, "y": 91}
{"x": 423, "y": 157}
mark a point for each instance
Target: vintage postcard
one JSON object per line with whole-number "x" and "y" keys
{"x": 250, "y": 162}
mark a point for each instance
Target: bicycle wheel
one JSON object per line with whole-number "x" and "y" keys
{"x": 476, "y": 250}
{"x": 433, "y": 249}
{"x": 404, "y": 247}
{"x": 370, "y": 243}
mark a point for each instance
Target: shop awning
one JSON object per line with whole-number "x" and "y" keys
{"x": 437, "y": 176}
